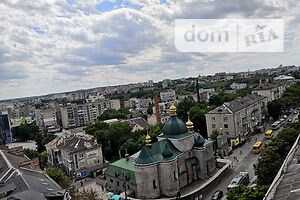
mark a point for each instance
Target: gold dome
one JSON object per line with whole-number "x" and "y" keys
{"x": 148, "y": 140}
{"x": 173, "y": 110}
{"x": 189, "y": 124}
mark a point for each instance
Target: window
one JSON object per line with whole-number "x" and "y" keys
{"x": 80, "y": 155}
{"x": 225, "y": 125}
{"x": 111, "y": 180}
{"x": 213, "y": 126}
{"x": 213, "y": 118}
{"x": 175, "y": 178}
{"x": 154, "y": 184}
{"x": 128, "y": 187}
{"x": 118, "y": 184}
{"x": 225, "y": 119}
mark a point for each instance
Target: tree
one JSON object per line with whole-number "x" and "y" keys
{"x": 41, "y": 139}
{"x": 214, "y": 135}
{"x": 246, "y": 193}
{"x": 274, "y": 153}
{"x": 59, "y": 177}
{"x": 184, "y": 106}
{"x": 275, "y": 108}
{"x": 27, "y": 131}
{"x": 150, "y": 109}
{"x": 112, "y": 113}
{"x": 199, "y": 120}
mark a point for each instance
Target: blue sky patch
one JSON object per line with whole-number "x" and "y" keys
{"x": 108, "y": 6}
{"x": 70, "y": 2}
{"x": 37, "y": 30}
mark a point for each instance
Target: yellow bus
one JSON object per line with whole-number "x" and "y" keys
{"x": 269, "y": 134}
{"x": 257, "y": 147}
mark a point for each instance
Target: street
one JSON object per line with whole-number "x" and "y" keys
{"x": 245, "y": 160}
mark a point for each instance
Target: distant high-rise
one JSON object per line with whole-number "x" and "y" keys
{"x": 5, "y": 134}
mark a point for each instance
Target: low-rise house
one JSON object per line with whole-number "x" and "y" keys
{"x": 138, "y": 123}
{"x": 23, "y": 179}
{"x": 78, "y": 155}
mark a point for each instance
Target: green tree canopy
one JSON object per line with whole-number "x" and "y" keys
{"x": 246, "y": 193}
{"x": 58, "y": 176}
{"x": 184, "y": 106}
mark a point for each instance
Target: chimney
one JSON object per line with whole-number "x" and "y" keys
{"x": 157, "y": 112}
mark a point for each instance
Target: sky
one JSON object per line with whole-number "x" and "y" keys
{"x": 49, "y": 46}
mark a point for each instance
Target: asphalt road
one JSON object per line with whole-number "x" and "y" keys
{"x": 246, "y": 160}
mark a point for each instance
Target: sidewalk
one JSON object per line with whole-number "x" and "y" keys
{"x": 90, "y": 183}
{"x": 245, "y": 149}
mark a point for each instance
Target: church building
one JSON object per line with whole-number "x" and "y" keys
{"x": 162, "y": 168}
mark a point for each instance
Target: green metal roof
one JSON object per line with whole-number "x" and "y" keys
{"x": 174, "y": 126}
{"x": 116, "y": 169}
{"x": 199, "y": 141}
{"x": 154, "y": 153}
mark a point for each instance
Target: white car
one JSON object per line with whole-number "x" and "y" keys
{"x": 284, "y": 116}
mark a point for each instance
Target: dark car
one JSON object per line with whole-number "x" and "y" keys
{"x": 217, "y": 195}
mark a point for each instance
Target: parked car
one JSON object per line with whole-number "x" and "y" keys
{"x": 240, "y": 179}
{"x": 290, "y": 120}
{"x": 295, "y": 112}
{"x": 284, "y": 116}
{"x": 217, "y": 195}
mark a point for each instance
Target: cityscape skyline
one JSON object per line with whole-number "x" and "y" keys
{"x": 128, "y": 83}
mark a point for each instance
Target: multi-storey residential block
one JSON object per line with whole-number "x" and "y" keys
{"x": 168, "y": 96}
{"x": 74, "y": 115}
{"x": 270, "y": 90}
{"x": 46, "y": 117}
{"x": 238, "y": 86}
{"x": 137, "y": 103}
{"x": 5, "y": 133}
{"x": 238, "y": 117}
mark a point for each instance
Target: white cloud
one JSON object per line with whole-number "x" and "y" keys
{"x": 53, "y": 45}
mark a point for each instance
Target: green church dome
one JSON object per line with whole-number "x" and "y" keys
{"x": 174, "y": 126}
{"x": 199, "y": 140}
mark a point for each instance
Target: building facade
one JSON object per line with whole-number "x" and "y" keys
{"x": 168, "y": 96}
{"x": 238, "y": 117}
{"x": 5, "y": 133}
{"x": 75, "y": 115}
{"x": 80, "y": 156}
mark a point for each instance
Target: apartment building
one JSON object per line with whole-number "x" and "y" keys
{"x": 270, "y": 90}
{"x": 75, "y": 115}
{"x": 137, "y": 103}
{"x": 46, "y": 117}
{"x": 168, "y": 96}
{"x": 237, "y": 118}
{"x": 5, "y": 133}
{"x": 238, "y": 86}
